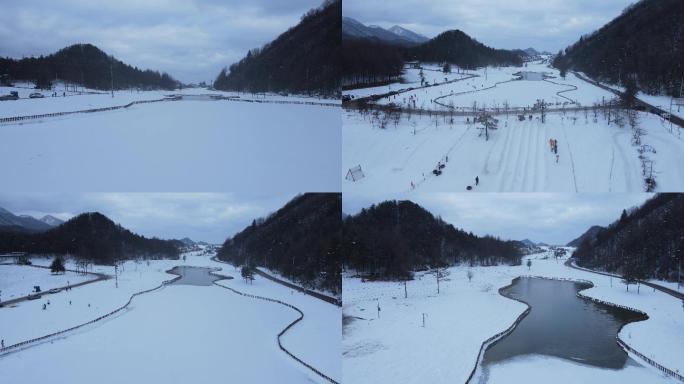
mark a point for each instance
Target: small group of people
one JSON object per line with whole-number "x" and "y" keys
{"x": 553, "y": 143}
{"x": 55, "y": 94}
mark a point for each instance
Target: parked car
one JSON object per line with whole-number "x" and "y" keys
{"x": 54, "y": 290}
{"x": 14, "y": 95}
{"x": 36, "y": 95}
{"x": 34, "y": 297}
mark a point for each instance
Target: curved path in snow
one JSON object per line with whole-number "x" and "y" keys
{"x": 292, "y": 324}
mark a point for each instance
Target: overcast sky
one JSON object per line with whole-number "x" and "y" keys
{"x": 545, "y": 25}
{"x": 200, "y": 216}
{"x": 190, "y": 39}
{"x": 550, "y": 218}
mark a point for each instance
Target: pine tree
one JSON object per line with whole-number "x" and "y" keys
{"x": 57, "y": 265}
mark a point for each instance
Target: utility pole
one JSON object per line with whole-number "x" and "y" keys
{"x": 405, "y": 293}
{"x": 116, "y": 275}
{"x": 111, "y": 75}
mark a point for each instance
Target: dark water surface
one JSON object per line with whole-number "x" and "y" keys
{"x": 563, "y": 325}
{"x": 194, "y": 276}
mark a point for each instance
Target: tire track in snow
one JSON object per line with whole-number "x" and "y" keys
{"x": 572, "y": 161}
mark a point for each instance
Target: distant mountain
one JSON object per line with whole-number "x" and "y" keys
{"x": 646, "y": 242}
{"x": 393, "y": 239}
{"x": 589, "y": 235}
{"x": 529, "y": 243}
{"x": 51, "y": 220}
{"x": 188, "y": 242}
{"x": 23, "y": 223}
{"x": 304, "y": 59}
{"x": 408, "y": 34}
{"x": 353, "y": 29}
{"x": 531, "y": 52}
{"x": 301, "y": 241}
{"x": 87, "y": 65}
{"x": 645, "y": 45}
{"x": 92, "y": 237}
{"x": 458, "y": 48}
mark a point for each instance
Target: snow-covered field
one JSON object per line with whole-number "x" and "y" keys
{"x": 171, "y": 146}
{"x": 178, "y": 334}
{"x": 396, "y": 347}
{"x": 18, "y": 280}
{"x": 593, "y": 156}
{"x": 491, "y": 88}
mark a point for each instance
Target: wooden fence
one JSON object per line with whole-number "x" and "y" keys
{"x": 292, "y": 324}
{"x": 56, "y": 114}
{"x": 28, "y": 343}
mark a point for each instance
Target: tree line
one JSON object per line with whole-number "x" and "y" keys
{"x": 393, "y": 239}
{"x": 645, "y": 242}
{"x": 301, "y": 241}
{"x": 305, "y": 59}
{"x": 92, "y": 237}
{"x": 86, "y": 65}
{"x": 644, "y": 46}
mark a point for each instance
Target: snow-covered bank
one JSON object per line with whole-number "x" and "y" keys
{"x": 466, "y": 313}
{"x": 545, "y": 369}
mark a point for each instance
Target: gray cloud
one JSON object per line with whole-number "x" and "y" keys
{"x": 545, "y": 25}
{"x": 210, "y": 217}
{"x": 190, "y": 39}
{"x": 551, "y": 218}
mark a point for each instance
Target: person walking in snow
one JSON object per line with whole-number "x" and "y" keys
{"x": 477, "y": 180}
{"x": 557, "y": 158}
{"x": 2, "y": 343}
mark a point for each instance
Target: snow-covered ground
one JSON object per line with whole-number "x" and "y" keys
{"x": 396, "y": 347}
{"x": 171, "y": 146}
{"x": 178, "y": 334}
{"x": 593, "y": 156}
{"x": 18, "y": 280}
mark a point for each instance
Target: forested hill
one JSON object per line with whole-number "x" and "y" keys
{"x": 305, "y": 59}
{"x": 647, "y": 242}
{"x": 369, "y": 61}
{"x": 92, "y": 237}
{"x": 86, "y": 65}
{"x": 301, "y": 241}
{"x": 391, "y": 239}
{"x": 646, "y": 41}
{"x": 589, "y": 234}
{"x": 458, "y": 48}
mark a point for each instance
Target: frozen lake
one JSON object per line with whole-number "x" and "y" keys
{"x": 562, "y": 325}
